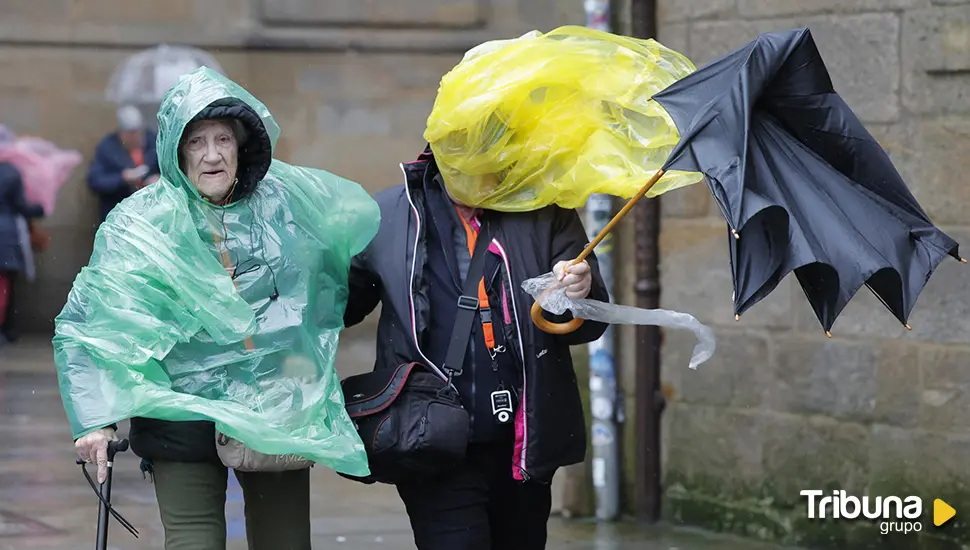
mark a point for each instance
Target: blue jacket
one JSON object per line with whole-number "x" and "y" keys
{"x": 110, "y": 159}
{"x": 13, "y": 203}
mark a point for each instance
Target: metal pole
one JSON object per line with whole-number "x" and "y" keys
{"x": 603, "y": 395}
{"x": 649, "y": 395}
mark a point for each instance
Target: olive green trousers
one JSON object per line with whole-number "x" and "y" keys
{"x": 192, "y": 503}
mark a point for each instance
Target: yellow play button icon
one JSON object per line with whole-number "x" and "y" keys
{"x": 942, "y": 512}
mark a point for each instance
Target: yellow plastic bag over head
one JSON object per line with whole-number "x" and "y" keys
{"x": 551, "y": 118}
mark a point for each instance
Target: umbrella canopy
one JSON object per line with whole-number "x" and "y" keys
{"x": 144, "y": 77}
{"x": 44, "y": 167}
{"x": 802, "y": 184}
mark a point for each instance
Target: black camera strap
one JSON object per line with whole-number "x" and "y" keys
{"x": 467, "y": 306}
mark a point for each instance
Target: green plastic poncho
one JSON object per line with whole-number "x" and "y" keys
{"x": 156, "y": 327}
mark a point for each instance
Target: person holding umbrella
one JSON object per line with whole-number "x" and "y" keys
{"x": 479, "y": 214}
{"x": 32, "y": 170}
{"x": 501, "y": 496}
{"x": 802, "y": 184}
{"x": 521, "y": 128}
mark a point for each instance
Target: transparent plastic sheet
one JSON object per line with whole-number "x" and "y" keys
{"x": 550, "y": 293}
{"x": 552, "y": 118}
{"x": 155, "y": 327}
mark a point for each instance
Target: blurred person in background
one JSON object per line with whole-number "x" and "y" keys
{"x": 13, "y": 205}
{"x": 124, "y": 161}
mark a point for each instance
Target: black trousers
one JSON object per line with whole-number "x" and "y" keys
{"x": 480, "y": 506}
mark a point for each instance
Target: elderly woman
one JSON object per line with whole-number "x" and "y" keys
{"x": 210, "y": 312}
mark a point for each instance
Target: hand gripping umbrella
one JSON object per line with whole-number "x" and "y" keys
{"x": 801, "y": 183}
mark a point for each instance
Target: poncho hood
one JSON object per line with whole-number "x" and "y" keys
{"x": 206, "y": 94}
{"x": 192, "y": 311}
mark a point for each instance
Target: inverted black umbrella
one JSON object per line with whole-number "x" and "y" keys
{"x": 802, "y": 184}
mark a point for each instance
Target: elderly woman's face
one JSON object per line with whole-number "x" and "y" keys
{"x": 210, "y": 158}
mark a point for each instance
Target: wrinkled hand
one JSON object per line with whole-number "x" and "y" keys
{"x": 93, "y": 447}
{"x": 578, "y": 279}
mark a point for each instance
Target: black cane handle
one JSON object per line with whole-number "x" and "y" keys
{"x": 114, "y": 447}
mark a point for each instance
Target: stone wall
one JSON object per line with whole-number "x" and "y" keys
{"x": 351, "y": 87}
{"x": 780, "y": 408}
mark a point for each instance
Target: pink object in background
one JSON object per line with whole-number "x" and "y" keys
{"x": 43, "y": 166}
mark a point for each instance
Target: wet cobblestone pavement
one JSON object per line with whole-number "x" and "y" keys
{"x": 45, "y": 503}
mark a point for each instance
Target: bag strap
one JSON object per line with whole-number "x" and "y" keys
{"x": 484, "y": 307}
{"x": 467, "y": 306}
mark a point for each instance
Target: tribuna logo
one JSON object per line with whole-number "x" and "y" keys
{"x": 840, "y": 505}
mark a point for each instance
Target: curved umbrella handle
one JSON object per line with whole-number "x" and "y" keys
{"x": 546, "y": 325}
{"x": 565, "y": 328}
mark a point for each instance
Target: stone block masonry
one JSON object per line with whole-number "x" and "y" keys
{"x": 876, "y": 410}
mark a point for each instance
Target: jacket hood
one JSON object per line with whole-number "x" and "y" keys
{"x": 206, "y": 94}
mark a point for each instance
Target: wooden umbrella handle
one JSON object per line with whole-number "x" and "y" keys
{"x": 569, "y": 326}
{"x": 546, "y": 325}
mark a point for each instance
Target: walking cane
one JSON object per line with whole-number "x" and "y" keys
{"x": 104, "y": 496}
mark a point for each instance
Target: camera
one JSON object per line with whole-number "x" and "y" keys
{"x": 502, "y": 406}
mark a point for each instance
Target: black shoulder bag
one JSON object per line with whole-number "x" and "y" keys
{"x": 411, "y": 421}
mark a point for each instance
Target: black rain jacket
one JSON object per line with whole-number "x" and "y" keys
{"x": 550, "y": 425}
